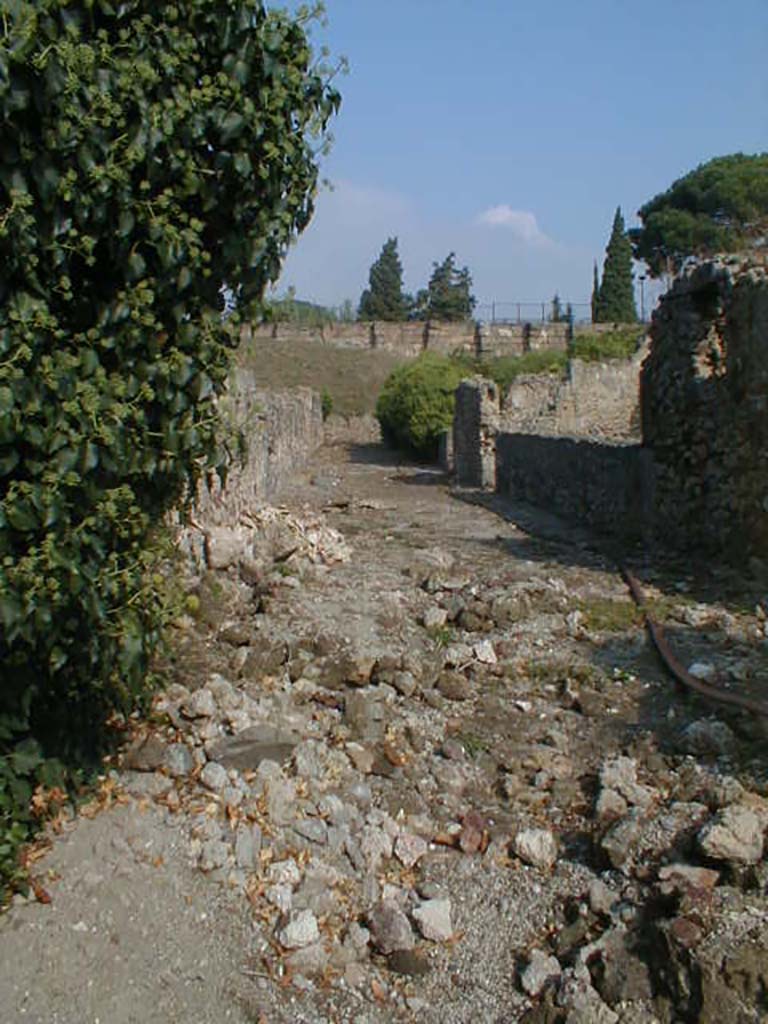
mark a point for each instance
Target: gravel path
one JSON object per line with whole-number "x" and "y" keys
{"x": 417, "y": 762}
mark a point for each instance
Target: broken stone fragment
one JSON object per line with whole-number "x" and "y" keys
{"x": 536, "y": 846}
{"x": 390, "y": 928}
{"x": 300, "y": 931}
{"x": 542, "y": 968}
{"x": 433, "y": 918}
{"x": 735, "y": 834}
{"x": 249, "y": 748}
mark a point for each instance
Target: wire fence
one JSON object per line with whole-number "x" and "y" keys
{"x": 532, "y": 312}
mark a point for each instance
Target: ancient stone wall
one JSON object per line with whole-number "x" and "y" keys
{"x": 475, "y": 425}
{"x": 705, "y": 408}
{"x": 282, "y": 430}
{"x": 608, "y": 486}
{"x": 594, "y": 400}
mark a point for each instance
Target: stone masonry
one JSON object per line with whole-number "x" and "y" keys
{"x": 705, "y": 408}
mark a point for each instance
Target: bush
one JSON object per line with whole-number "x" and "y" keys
{"x": 416, "y": 403}
{"x": 151, "y": 152}
{"x": 619, "y": 344}
{"x": 326, "y": 403}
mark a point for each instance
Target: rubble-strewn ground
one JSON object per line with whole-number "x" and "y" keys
{"x": 417, "y": 762}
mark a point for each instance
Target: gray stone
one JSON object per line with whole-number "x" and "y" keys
{"x": 454, "y": 686}
{"x": 199, "y": 704}
{"x": 178, "y": 761}
{"x": 434, "y": 920}
{"x": 390, "y": 928}
{"x": 249, "y": 748}
{"x": 601, "y": 897}
{"x": 146, "y": 754}
{"x": 620, "y": 842}
{"x": 375, "y": 845}
{"x": 364, "y": 713}
{"x": 434, "y": 618}
{"x": 404, "y": 683}
{"x": 735, "y": 834}
{"x": 313, "y": 829}
{"x": 536, "y": 846}
{"x": 300, "y": 931}
{"x": 225, "y": 545}
{"x": 541, "y": 969}
{"x": 281, "y": 800}
{"x": 620, "y": 774}
{"x": 409, "y": 849}
{"x": 247, "y": 846}
{"x": 214, "y": 777}
{"x": 708, "y": 736}
{"x": 214, "y": 854}
{"x": 309, "y": 960}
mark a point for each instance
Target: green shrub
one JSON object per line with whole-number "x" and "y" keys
{"x": 416, "y": 403}
{"x": 151, "y": 153}
{"x": 594, "y": 348}
{"x": 326, "y": 403}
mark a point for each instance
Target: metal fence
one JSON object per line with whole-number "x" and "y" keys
{"x": 530, "y": 312}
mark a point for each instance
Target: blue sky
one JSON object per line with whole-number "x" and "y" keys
{"x": 510, "y": 131}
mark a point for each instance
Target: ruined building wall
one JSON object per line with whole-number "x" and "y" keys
{"x": 704, "y": 400}
{"x": 282, "y": 430}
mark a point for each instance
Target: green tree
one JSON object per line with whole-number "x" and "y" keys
{"x": 151, "y": 153}
{"x": 721, "y": 206}
{"x": 449, "y": 293}
{"x": 383, "y": 299}
{"x": 556, "y": 316}
{"x": 616, "y": 300}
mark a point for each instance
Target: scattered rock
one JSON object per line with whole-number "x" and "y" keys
{"x": 434, "y": 920}
{"x": 735, "y": 834}
{"x": 300, "y": 931}
{"x": 708, "y": 736}
{"x": 454, "y": 686}
{"x": 249, "y": 748}
{"x": 390, "y": 928}
{"x": 542, "y": 968}
{"x": 536, "y": 846}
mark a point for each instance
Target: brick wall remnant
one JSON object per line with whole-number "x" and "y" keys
{"x": 704, "y": 401}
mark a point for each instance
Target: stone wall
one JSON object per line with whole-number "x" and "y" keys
{"x": 705, "y": 408}
{"x": 282, "y": 429}
{"x": 475, "y": 425}
{"x": 608, "y": 486}
{"x": 594, "y": 400}
{"x": 411, "y": 338}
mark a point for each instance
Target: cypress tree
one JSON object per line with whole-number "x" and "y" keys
{"x": 383, "y": 299}
{"x": 616, "y": 301}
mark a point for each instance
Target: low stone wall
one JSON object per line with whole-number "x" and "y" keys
{"x": 608, "y": 486}
{"x": 282, "y": 430}
{"x": 475, "y": 426}
{"x": 594, "y": 400}
{"x": 486, "y": 340}
{"x": 705, "y": 408}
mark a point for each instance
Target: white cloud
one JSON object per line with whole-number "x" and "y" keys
{"x": 521, "y": 223}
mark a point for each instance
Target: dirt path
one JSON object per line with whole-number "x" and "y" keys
{"x": 418, "y": 762}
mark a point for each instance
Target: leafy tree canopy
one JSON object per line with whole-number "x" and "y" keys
{"x": 449, "y": 293}
{"x": 722, "y": 206}
{"x": 384, "y": 299}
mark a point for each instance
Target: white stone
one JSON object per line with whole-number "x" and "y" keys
{"x": 433, "y": 918}
{"x": 542, "y": 967}
{"x": 485, "y": 653}
{"x": 409, "y": 849}
{"x": 735, "y": 834}
{"x": 702, "y": 670}
{"x": 301, "y": 931}
{"x": 536, "y": 846}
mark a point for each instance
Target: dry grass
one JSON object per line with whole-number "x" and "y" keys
{"x": 352, "y": 377}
